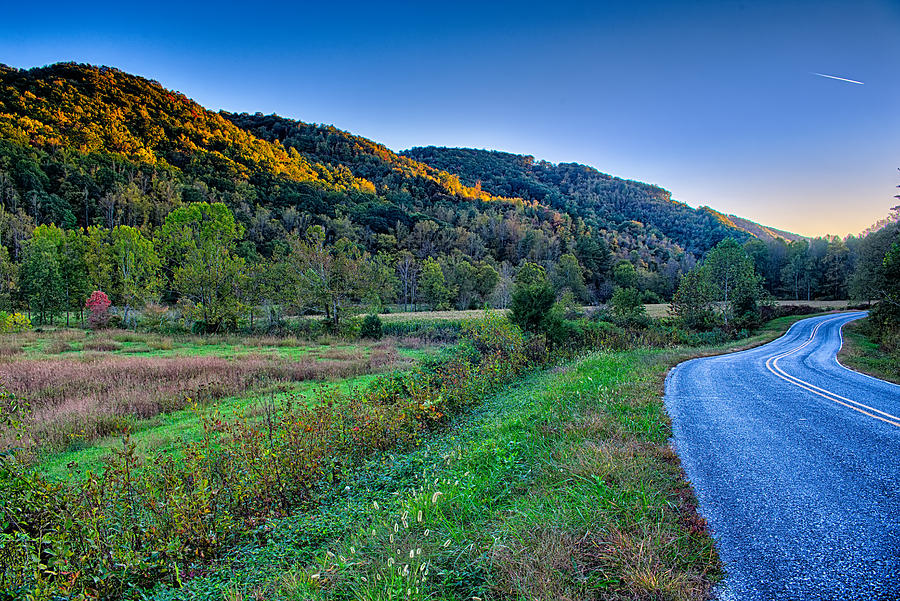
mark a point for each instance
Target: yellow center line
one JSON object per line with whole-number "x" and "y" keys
{"x": 772, "y": 366}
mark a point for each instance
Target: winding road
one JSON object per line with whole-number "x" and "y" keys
{"x": 795, "y": 460}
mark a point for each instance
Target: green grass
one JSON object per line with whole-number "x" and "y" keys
{"x": 863, "y": 354}
{"x": 561, "y": 486}
{"x": 167, "y": 432}
{"x": 74, "y": 342}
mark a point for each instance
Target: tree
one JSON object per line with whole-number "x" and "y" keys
{"x": 8, "y": 276}
{"x": 627, "y": 305}
{"x": 869, "y": 280}
{"x": 567, "y": 274}
{"x": 327, "y": 278}
{"x": 464, "y": 284}
{"x": 726, "y": 279}
{"x": 837, "y": 267}
{"x": 381, "y": 279}
{"x": 730, "y": 277}
{"x": 39, "y": 278}
{"x": 408, "y": 270}
{"x": 532, "y": 298}
{"x": 98, "y": 304}
{"x": 692, "y": 301}
{"x": 486, "y": 280}
{"x": 502, "y": 295}
{"x": 198, "y": 241}
{"x": 594, "y": 255}
{"x": 96, "y": 257}
{"x": 433, "y": 284}
{"x": 135, "y": 266}
{"x": 74, "y": 271}
{"x": 625, "y": 275}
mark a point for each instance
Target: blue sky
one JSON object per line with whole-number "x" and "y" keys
{"x": 715, "y": 101}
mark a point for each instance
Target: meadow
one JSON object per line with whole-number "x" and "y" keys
{"x": 85, "y": 389}
{"x": 488, "y": 468}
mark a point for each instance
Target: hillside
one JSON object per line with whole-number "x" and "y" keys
{"x": 83, "y": 145}
{"x": 763, "y": 232}
{"x": 585, "y": 192}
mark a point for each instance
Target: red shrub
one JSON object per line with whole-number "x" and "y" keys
{"x": 98, "y": 304}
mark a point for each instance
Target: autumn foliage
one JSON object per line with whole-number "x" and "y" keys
{"x": 98, "y": 305}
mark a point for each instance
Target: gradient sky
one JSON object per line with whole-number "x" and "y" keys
{"x": 716, "y": 101}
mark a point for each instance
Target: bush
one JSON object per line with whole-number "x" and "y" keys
{"x": 98, "y": 304}
{"x": 627, "y": 307}
{"x": 371, "y": 327}
{"x": 15, "y": 322}
{"x": 530, "y": 305}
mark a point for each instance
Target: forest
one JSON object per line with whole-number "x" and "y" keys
{"x": 96, "y": 165}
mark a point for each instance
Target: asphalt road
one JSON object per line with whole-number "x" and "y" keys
{"x": 796, "y": 463}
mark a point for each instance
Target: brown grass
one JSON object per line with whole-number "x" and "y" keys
{"x": 9, "y": 349}
{"x": 437, "y": 315}
{"x": 102, "y": 345}
{"x": 662, "y": 309}
{"x": 97, "y": 394}
{"x": 59, "y": 346}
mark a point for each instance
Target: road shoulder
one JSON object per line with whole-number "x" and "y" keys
{"x": 861, "y": 354}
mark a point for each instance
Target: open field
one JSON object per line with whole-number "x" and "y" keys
{"x": 662, "y": 309}
{"x": 84, "y": 390}
{"x": 436, "y": 315}
{"x": 653, "y": 310}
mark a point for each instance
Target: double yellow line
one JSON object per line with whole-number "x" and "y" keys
{"x": 772, "y": 366}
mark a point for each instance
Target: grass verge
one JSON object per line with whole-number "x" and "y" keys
{"x": 859, "y": 352}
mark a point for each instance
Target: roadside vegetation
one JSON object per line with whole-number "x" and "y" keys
{"x": 862, "y": 353}
{"x": 873, "y": 344}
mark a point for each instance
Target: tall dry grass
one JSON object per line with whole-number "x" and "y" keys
{"x": 95, "y": 395}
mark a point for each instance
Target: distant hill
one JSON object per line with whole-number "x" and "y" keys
{"x": 763, "y": 232}
{"x": 584, "y": 191}
{"x": 82, "y": 145}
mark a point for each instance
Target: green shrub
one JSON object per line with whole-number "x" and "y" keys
{"x": 530, "y": 305}
{"x": 371, "y": 327}
{"x": 627, "y": 306}
{"x": 14, "y": 322}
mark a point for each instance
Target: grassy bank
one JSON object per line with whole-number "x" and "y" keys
{"x": 562, "y": 486}
{"x": 862, "y": 354}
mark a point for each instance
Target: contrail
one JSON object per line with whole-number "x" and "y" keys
{"x": 839, "y": 78}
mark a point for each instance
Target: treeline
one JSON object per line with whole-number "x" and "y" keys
{"x": 806, "y": 269}
{"x": 877, "y": 276}
{"x": 194, "y": 263}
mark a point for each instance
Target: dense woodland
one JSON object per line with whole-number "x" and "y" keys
{"x": 100, "y": 169}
